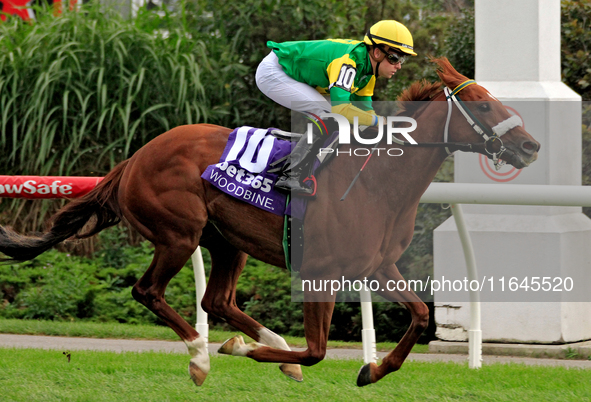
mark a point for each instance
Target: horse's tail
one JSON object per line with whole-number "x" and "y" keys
{"x": 101, "y": 203}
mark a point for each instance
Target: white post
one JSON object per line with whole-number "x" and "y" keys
{"x": 199, "y": 270}
{"x": 474, "y": 333}
{"x": 518, "y": 61}
{"x": 368, "y": 333}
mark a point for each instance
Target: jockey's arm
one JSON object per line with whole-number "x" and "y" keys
{"x": 362, "y": 102}
{"x": 362, "y": 108}
{"x": 342, "y": 73}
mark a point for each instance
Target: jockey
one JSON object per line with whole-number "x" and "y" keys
{"x": 326, "y": 76}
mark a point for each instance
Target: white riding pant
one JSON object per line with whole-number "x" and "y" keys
{"x": 292, "y": 94}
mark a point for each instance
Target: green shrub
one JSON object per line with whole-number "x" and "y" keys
{"x": 61, "y": 287}
{"x": 56, "y": 286}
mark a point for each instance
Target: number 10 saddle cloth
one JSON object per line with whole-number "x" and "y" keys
{"x": 245, "y": 170}
{"x": 248, "y": 170}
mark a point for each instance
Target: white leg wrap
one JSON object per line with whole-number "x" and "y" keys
{"x": 199, "y": 353}
{"x": 241, "y": 349}
{"x": 273, "y": 340}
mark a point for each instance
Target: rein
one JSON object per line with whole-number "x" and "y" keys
{"x": 489, "y": 135}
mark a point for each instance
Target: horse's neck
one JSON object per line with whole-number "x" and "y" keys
{"x": 412, "y": 172}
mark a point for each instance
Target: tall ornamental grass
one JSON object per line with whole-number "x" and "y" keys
{"x": 82, "y": 91}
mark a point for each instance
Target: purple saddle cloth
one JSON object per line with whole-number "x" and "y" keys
{"x": 247, "y": 171}
{"x": 242, "y": 171}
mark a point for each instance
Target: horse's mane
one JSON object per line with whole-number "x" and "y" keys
{"x": 423, "y": 90}
{"x": 420, "y": 91}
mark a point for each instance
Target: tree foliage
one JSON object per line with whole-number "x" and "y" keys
{"x": 459, "y": 44}
{"x": 576, "y": 46}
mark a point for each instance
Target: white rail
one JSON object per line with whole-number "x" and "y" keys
{"x": 508, "y": 194}
{"x": 475, "y": 332}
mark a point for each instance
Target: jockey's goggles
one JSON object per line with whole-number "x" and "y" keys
{"x": 395, "y": 58}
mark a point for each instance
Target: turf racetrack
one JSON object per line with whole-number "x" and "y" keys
{"x": 38, "y": 375}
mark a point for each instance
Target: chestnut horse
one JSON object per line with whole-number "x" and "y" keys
{"x": 159, "y": 191}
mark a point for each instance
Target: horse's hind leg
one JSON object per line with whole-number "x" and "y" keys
{"x": 149, "y": 290}
{"x": 318, "y": 309}
{"x": 220, "y": 299}
{"x": 419, "y": 311}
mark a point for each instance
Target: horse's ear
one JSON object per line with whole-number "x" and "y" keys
{"x": 447, "y": 73}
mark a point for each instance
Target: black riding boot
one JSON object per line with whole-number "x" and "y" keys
{"x": 302, "y": 155}
{"x": 296, "y": 166}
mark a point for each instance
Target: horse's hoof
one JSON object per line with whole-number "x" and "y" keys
{"x": 197, "y": 375}
{"x": 227, "y": 347}
{"x": 293, "y": 371}
{"x": 364, "y": 375}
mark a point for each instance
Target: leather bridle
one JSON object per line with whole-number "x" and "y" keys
{"x": 489, "y": 135}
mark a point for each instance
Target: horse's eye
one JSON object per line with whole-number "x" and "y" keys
{"x": 484, "y": 107}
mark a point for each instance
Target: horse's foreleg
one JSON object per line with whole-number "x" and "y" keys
{"x": 220, "y": 300}
{"x": 149, "y": 290}
{"x": 419, "y": 311}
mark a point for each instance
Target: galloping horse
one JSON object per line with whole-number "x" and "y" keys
{"x": 159, "y": 191}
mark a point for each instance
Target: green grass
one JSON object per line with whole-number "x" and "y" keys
{"x": 128, "y": 331}
{"x": 35, "y": 375}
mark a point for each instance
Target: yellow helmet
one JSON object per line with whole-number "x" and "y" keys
{"x": 391, "y": 33}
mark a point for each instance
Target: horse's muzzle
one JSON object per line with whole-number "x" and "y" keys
{"x": 530, "y": 147}
{"x": 521, "y": 156}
